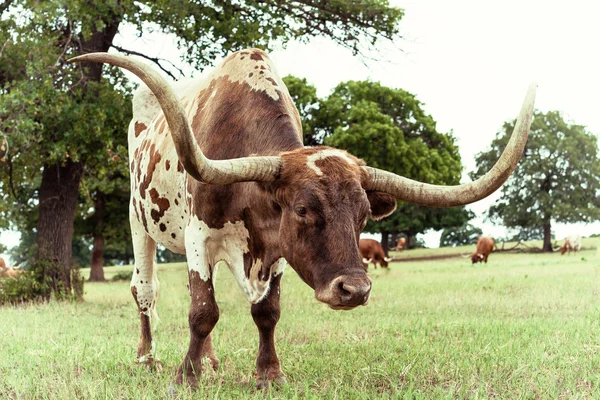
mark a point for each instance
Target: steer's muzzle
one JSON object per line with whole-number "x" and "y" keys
{"x": 346, "y": 292}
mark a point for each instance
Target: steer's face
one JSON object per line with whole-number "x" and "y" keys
{"x": 324, "y": 208}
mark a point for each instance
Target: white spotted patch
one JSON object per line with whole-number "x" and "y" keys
{"x": 253, "y": 67}
{"x": 278, "y": 267}
{"x": 208, "y": 246}
{"x": 322, "y": 154}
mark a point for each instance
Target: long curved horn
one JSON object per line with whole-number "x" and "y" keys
{"x": 387, "y": 259}
{"x": 449, "y": 196}
{"x": 264, "y": 168}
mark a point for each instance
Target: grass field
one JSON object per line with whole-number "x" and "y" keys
{"x": 522, "y": 326}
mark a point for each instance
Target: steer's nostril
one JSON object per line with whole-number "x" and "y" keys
{"x": 345, "y": 290}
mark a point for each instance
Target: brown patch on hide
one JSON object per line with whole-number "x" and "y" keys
{"x": 162, "y": 203}
{"x": 139, "y": 128}
{"x": 143, "y": 213}
{"x": 154, "y": 159}
{"x": 167, "y": 165}
{"x": 134, "y": 203}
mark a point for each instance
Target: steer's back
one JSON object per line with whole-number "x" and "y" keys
{"x": 241, "y": 109}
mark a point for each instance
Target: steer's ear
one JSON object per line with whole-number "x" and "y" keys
{"x": 382, "y": 204}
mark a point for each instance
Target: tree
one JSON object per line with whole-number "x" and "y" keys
{"x": 305, "y": 98}
{"x": 388, "y": 129}
{"x": 60, "y": 119}
{"x": 460, "y": 236}
{"x": 557, "y": 179}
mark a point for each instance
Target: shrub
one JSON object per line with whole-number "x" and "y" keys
{"x": 122, "y": 276}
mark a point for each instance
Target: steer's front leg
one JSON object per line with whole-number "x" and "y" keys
{"x": 203, "y": 316}
{"x": 265, "y": 315}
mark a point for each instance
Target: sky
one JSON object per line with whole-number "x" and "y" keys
{"x": 469, "y": 63}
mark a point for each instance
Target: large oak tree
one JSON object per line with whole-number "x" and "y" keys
{"x": 556, "y": 180}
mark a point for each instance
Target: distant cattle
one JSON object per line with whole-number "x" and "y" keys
{"x": 573, "y": 242}
{"x": 400, "y": 245}
{"x": 6, "y": 272}
{"x": 485, "y": 245}
{"x": 372, "y": 252}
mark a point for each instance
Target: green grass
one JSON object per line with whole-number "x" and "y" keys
{"x": 522, "y": 326}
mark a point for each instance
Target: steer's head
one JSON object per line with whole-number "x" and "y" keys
{"x": 324, "y": 208}
{"x": 476, "y": 257}
{"x": 325, "y": 198}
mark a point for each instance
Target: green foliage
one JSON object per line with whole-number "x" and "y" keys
{"x": 122, "y": 276}
{"x": 389, "y": 130}
{"x": 164, "y": 255}
{"x": 305, "y": 98}
{"x": 557, "y": 179}
{"x": 459, "y": 236}
{"x": 529, "y": 233}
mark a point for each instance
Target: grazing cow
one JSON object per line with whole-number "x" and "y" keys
{"x": 573, "y": 242}
{"x": 219, "y": 173}
{"x": 400, "y": 245}
{"x": 7, "y": 272}
{"x": 485, "y": 245}
{"x": 371, "y": 251}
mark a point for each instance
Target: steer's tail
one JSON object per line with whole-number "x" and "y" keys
{"x": 156, "y": 284}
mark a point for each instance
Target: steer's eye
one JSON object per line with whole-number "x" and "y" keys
{"x": 301, "y": 211}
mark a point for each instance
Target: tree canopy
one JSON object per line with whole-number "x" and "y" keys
{"x": 459, "y": 236}
{"x": 66, "y": 123}
{"x": 557, "y": 179}
{"x": 388, "y": 129}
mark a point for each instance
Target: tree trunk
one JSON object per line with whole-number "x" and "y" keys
{"x": 547, "y": 236}
{"x": 97, "y": 270}
{"x": 59, "y": 189}
{"x": 410, "y": 240}
{"x": 385, "y": 242}
{"x": 58, "y": 195}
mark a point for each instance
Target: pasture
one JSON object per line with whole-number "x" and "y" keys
{"x": 522, "y": 326}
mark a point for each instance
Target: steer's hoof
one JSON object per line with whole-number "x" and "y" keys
{"x": 151, "y": 365}
{"x": 264, "y": 383}
{"x": 212, "y": 361}
{"x": 171, "y": 391}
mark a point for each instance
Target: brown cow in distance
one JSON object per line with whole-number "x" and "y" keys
{"x": 372, "y": 252}
{"x": 219, "y": 173}
{"x": 400, "y": 244}
{"x": 485, "y": 245}
{"x": 7, "y": 272}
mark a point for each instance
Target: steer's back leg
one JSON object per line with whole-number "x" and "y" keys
{"x": 266, "y": 314}
{"x": 145, "y": 288}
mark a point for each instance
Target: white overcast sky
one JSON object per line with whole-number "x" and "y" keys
{"x": 469, "y": 62}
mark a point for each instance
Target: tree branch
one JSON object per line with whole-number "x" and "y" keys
{"x": 4, "y": 5}
{"x": 11, "y": 180}
{"x": 155, "y": 60}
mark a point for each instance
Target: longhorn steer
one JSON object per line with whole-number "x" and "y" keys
{"x": 485, "y": 245}
{"x": 7, "y": 272}
{"x": 371, "y": 251}
{"x": 219, "y": 173}
{"x": 573, "y": 242}
{"x": 400, "y": 245}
